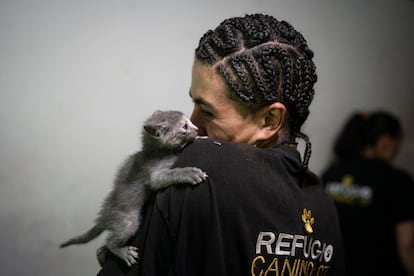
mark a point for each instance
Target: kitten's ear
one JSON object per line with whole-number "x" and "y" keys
{"x": 151, "y": 130}
{"x": 156, "y": 129}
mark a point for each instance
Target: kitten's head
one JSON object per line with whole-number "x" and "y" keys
{"x": 170, "y": 128}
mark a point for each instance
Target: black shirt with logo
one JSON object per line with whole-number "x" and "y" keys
{"x": 371, "y": 197}
{"x": 258, "y": 213}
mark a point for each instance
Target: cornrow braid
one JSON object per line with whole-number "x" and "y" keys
{"x": 263, "y": 60}
{"x": 308, "y": 148}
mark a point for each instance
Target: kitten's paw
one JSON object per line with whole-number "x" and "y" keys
{"x": 133, "y": 251}
{"x": 196, "y": 176}
{"x": 130, "y": 255}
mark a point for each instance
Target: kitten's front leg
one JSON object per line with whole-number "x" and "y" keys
{"x": 166, "y": 177}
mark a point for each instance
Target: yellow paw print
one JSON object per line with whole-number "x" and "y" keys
{"x": 308, "y": 220}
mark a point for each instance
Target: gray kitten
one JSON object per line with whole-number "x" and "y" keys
{"x": 166, "y": 133}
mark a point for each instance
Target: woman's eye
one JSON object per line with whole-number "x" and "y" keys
{"x": 206, "y": 113}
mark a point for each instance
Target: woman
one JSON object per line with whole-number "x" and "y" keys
{"x": 260, "y": 211}
{"x": 374, "y": 199}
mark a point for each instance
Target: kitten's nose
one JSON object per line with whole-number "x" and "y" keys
{"x": 200, "y": 131}
{"x": 192, "y": 125}
{"x": 196, "y": 119}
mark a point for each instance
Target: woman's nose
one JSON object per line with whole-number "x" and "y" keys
{"x": 196, "y": 119}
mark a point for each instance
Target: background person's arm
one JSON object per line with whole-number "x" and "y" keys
{"x": 405, "y": 243}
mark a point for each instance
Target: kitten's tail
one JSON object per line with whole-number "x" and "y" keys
{"x": 84, "y": 238}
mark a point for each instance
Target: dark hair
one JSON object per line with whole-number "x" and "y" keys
{"x": 263, "y": 60}
{"x": 362, "y": 130}
{"x": 349, "y": 141}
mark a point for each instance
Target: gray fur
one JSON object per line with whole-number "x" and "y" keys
{"x": 166, "y": 133}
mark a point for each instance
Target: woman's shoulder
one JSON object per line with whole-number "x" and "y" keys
{"x": 217, "y": 157}
{"x": 213, "y": 149}
{"x": 230, "y": 156}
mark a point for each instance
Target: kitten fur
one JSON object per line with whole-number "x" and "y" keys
{"x": 164, "y": 135}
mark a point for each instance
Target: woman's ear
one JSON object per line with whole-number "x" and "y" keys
{"x": 271, "y": 119}
{"x": 274, "y": 117}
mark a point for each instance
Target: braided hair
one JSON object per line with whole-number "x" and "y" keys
{"x": 262, "y": 61}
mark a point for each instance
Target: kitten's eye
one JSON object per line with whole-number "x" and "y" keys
{"x": 185, "y": 126}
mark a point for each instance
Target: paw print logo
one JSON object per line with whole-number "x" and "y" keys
{"x": 347, "y": 180}
{"x": 308, "y": 220}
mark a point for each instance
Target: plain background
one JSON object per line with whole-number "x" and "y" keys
{"x": 77, "y": 79}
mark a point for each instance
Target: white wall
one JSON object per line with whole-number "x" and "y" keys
{"x": 78, "y": 77}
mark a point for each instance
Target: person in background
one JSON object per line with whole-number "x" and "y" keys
{"x": 260, "y": 211}
{"x": 374, "y": 199}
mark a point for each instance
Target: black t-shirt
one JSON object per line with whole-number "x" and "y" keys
{"x": 371, "y": 197}
{"x": 257, "y": 212}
